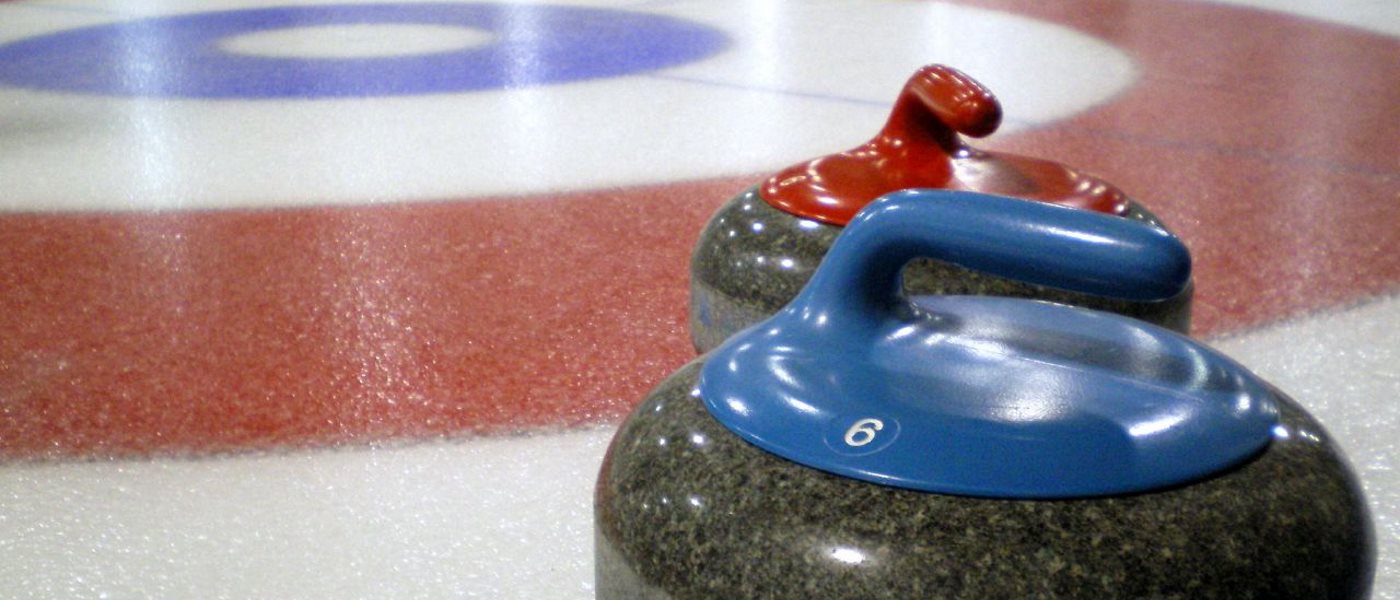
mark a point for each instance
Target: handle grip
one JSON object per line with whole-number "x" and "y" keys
{"x": 955, "y": 100}
{"x": 1038, "y": 243}
{"x": 989, "y": 396}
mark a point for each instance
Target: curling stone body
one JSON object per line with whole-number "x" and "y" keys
{"x": 686, "y": 509}
{"x": 863, "y": 444}
{"x": 759, "y": 249}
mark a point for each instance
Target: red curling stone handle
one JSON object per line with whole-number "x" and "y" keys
{"x": 955, "y": 100}
{"x": 921, "y": 146}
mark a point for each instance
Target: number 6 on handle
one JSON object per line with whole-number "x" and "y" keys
{"x": 982, "y": 395}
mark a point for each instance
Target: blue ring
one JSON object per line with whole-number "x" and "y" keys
{"x": 178, "y": 56}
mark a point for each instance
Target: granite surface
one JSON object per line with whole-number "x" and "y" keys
{"x": 752, "y": 259}
{"x": 685, "y": 509}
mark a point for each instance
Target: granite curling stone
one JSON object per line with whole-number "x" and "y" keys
{"x": 759, "y": 248}
{"x": 863, "y": 444}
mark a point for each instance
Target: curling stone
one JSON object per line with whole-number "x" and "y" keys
{"x": 861, "y": 443}
{"x": 759, "y": 249}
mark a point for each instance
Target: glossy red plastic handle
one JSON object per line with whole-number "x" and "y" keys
{"x": 921, "y": 147}
{"x": 954, "y": 100}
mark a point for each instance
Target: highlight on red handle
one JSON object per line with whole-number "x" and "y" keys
{"x": 921, "y": 146}
{"x": 956, "y": 100}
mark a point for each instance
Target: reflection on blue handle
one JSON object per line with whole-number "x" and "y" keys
{"x": 1029, "y": 241}
{"x": 989, "y": 396}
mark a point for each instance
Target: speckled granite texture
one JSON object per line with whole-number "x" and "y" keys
{"x": 752, "y": 259}
{"x": 685, "y": 509}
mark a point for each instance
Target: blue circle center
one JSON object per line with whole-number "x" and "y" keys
{"x": 179, "y": 56}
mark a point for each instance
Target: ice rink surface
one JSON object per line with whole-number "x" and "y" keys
{"x": 344, "y": 299}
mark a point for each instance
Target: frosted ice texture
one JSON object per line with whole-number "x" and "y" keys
{"x": 489, "y": 518}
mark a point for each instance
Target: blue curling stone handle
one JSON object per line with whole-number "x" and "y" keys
{"x": 988, "y": 396}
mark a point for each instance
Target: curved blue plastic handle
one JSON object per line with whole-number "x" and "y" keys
{"x": 981, "y": 395}
{"x": 1029, "y": 241}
